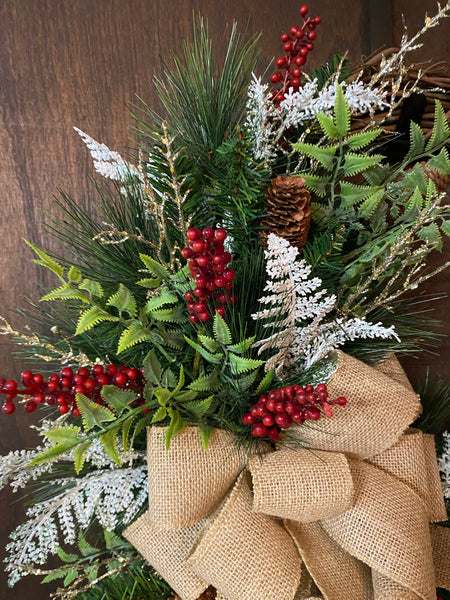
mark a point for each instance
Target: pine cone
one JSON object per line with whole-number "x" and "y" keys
{"x": 440, "y": 181}
{"x": 288, "y": 211}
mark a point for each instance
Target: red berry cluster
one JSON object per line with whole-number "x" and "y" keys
{"x": 296, "y": 45}
{"x": 207, "y": 261}
{"x": 292, "y": 404}
{"x": 61, "y": 389}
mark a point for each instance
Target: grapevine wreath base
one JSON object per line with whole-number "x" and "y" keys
{"x": 351, "y": 513}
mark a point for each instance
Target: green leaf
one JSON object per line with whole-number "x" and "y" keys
{"x": 141, "y": 425}
{"x": 93, "y": 288}
{"x": 65, "y": 557}
{"x": 323, "y": 155}
{"x": 155, "y": 268}
{"x": 65, "y": 292}
{"x": 242, "y": 365}
{"x": 416, "y": 178}
{"x": 354, "y": 163}
{"x": 221, "y": 330}
{"x": 71, "y": 575}
{"x": 79, "y": 453}
{"x": 152, "y": 368}
{"x": 74, "y": 275}
{"x": 327, "y": 125}
{"x": 186, "y": 396}
{"x": 341, "y": 113}
{"x": 163, "y": 396}
{"x": 151, "y": 283}
{"x": 126, "y": 427}
{"x": 243, "y": 346}
{"x": 369, "y": 206}
{"x": 205, "y": 432}
{"x": 210, "y": 344}
{"x": 173, "y": 339}
{"x": 319, "y": 185}
{"x": 92, "y": 573}
{"x": 109, "y": 443}
{"x": 416, "y": 140}
{"x": 199, "y": 408}
{"x": 169, "y": 315}
{"x": 352, "y": 194}
{"x": 91, "y": 317}
{"x": 168, "y": 379}
{"x": 445, "y": 227}
{"x": 441, "y": 131}
{"x": 415, "y": 203}
{"x": 112, "y": 541}
{"x": 46, "y": 260}
{"x": 116, "y": 398}
{"x": 164, "y": 298}
{"x": 51, "y": 453}
{"x": 134, "y": 334}
{"x": 215, "y": 359}
{"x": 56, "y": 575}
{"x": 265, "y": 382}
{"x": 246, "y": 382}
{"x": 440, "y": 163}
{"x": 432, "y": 235}
{"x": 92, "y": 413}
{"x": 85, "y": 548}
{"x": 176, "y": 426}
{"x": 160, "y": 414}
{"x": 68, "y": 433}
{"x": 181, "y": 381}
{"x": 361, "y": 140}
{"x": 206, "y": 383}
{"x": 124, "y": 301}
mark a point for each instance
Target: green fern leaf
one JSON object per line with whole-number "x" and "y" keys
{"x": 85, "y": 548}
{"x": 92, "y": 413}
{"x": 79, "y": 454}
{"x": 341, "y": 113}
{"x": 240, "y": 365}
{"x": 352, "y": 194}
{"x": 65, "y": 556}
{"x": 152, "y": 368}
{"x": 124, "y": 301}
{"x": 112, "y": 541}
{"x": 52, "y": 453}
{"x": 155, "y": 268}
{"x": 440, "y": 163}
{"x": 265, "y": 382}
{"x": 318, "y": 185}
{"x": 117, "y": 399}
{"x": 126, "y": 427}
{"x": 354, "y": 163}
{"x": 415, "y": 203}
{"x": 369, "y": 206}
{"x": 246, "y": 382}
{"x": 199, "y": 408}
{"x": 163, "y": 395}
{"x": 134, "y": 334}
{"x": 327, "y": 125}
{"x": 431, "y": 235}
{"x": 46, "y": 260}
{"x": 181, "y": 382}
{"x": 206, "y": 383}
{"x": 215, "y": 359}
{"x": 74, "y": 275}
{"x": 445, "y": 227}
{"x": 173, "y": 339}
{"x": 441, "y": 130}
{"x": 188, "y": 396}
{"x": 361, "y": 140}
{"x": 91, "y": 317}
{"x": 176, "y": 425}
{"x": 415, "y": 179}
{"x": 210, "y": 344}
{"x": 416, "y": 140}
{"x": 71, "y": 575}
{"x": 205, "y": 432}
{"x": 109, "y": 443}
{"x": 68, "y": 433}
{"x": 324, "y": 156}
{"x": 93, "y": 288}
{"x": 242, "y": 347}
{"x": 163, "y": 299}
{"x": 53, "y": 576}
{"x": 160, "y": 414}
{"x": 65, "y": 292}
{"x": 149, "y": 283}
{"x": 221, "y": 330}
{"x": 169, "y": 315}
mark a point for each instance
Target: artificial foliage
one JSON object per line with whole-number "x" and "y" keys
{"x": 258, "y": 244}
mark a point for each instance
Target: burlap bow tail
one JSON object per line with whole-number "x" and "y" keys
{"x": 349, "y": 516}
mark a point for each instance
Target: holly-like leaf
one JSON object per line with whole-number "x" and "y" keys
{"x": 199, "y": 408}
{"x": 416, "y": 179}
{"x": 152, "y": 368}
{"x": 341, "y": 113}
{"x": 136, "y": 333}
{"x": 181, "y": 381}
{"x": 205, "y": 432}
{"x": 441, "y": 130}
{"x": 93, "y": 288}
{"x": 206, "y": 383}
{"x": 212, "y": 358}
{"x": 221, "y": 330}
{"x": 210, "y": 344}
{"x": 117, "y": 398}
{"x": 92, "y": 413}
{"x": 169, "y": 315}
{"x": 445, "y": 227}
{"x": 415, "y": 203}
{"x": 46, "y": 261}
{"x": 53, "y": 576}
{"x": 68, "y": 433}
{"x": 327, "y": 125}
{"x": 168, "y": 379}
{"x": 363, "y": 139}
{"x": 265, "y": 382}
{"x": 160, "y": 414}
{"x": 52, "y": 453}
{"x": 323, "y": 155}
{"x": 79, "y": 454}
{"x": 239, "y": 365}
{"x": 246, "y": 382}
{"x": 124, "y": 301}
{"x": 155, "y": 268}
{"x": 176, "y": 425}
{"x": 65, "y": 292}
{"x": 91, "y": 317}
{"x": 126, "y": 427}
{"x": 243, "y": 346}
{"x": 109, "y": 443}
{"x": 74, "y": 275}
{"x": 163, "y": 396}
{"x": 150, "y": 283}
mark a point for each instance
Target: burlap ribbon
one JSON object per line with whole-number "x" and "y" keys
{"x": 348, "y": 517}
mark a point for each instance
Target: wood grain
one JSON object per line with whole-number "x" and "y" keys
{"x": 81, "y": 63}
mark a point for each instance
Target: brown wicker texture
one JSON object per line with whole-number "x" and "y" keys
{"x": 288, "y": 211}
{"x": 369, "y": 396}
{"x": 247, "y": 555}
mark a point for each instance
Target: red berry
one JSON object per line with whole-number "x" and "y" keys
{"x": 189, "y": 298}
{"x": 191, "y": 306}
{"x": 30, "y": 406}
{"x": 193, "y": 318}
{"x": 229, "y": 274}
{"x": 111, "y": 370}
{"x": 26, "y": 376}
{"x": 248, "y": 419}
{"x": 218, "y": 258}
{"x": 312, "y": 25}
{"x": 200, "y": 307}
{"x": 298, "y": 417}
{"x": 38, "y": 398}
{"x": 198, "y": 292}
{"x": 281, "y": 62}
{"x": 287, "y": 46}
{"x": 309, "y": 388}
{"x": 77, "y": 379}
{"x": 186, "y": 253}
{"x": 211, "y": 286}
{"x": 259, "y": 430}
{"x": 273, "y": 434}
{"x": 294, "y": 30}
{"x": 199, "y": 246}
{"x": 132, "y": 374}
{"x": 279, "y": 406}
{"x": 10, "y": 385}
{"x": 299, "y": 34}
{"x": 97, "y": 369}
{"x": 61, "y": 400}
{"x": 268, "y": 420}
{"x": 226, "y": 257}
{"x": 208, "y": 234}
{"x": 193, "y": 234}
{"x": 76, "y": 412}
{"x": 304, "y": 51}
{"x": 220, "y": 311}
{"x": 83, "y": 371}
{"x": 220, "y": 235}
{"x": 200, "y": 281}
{"x": 66, "y": 372}
{"x": 120, "y": 379}
{"x": 317, "y": 20}
{"x": 52, "y": 386}
{"x": 303, "y": 10}
{"x": 54, "y": 378}
{"x": 102, "y": 380}
{"x": 203, "y": 316}
{"x": 203, "y": 260}
{"x": 321, "y": 387}
{"x": 311, "y": 398}
{"x": 310, "y": 46}
{"x": 283, "y": 420}
{"x": 220, "y": 281}
{"x": 64, "y": 409}
{"x": 286, "y": 37}
{"x": 300, "y": 60}
{"x": 8, "y": 408}
{"x": 312, "y": 35}
{"x": 312, "y": 413}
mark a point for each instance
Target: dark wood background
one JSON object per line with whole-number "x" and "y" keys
{"x": 81, "y": 62}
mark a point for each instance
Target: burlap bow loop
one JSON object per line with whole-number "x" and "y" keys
{"x": 353, "y": 512}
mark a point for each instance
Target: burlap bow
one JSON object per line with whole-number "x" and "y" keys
{"x": 348, "y": 518}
